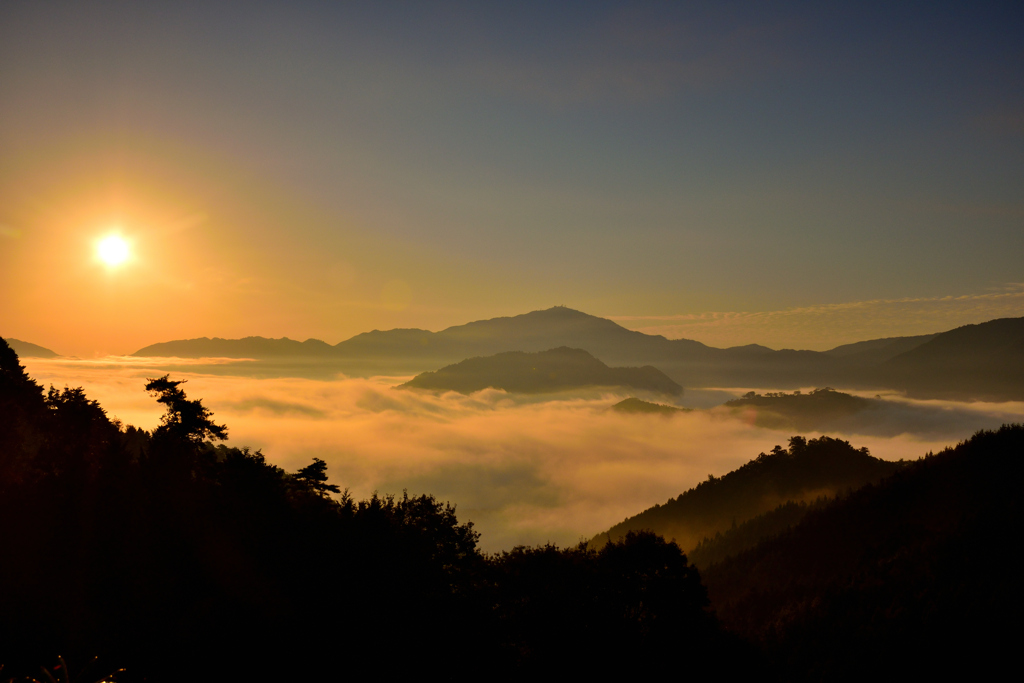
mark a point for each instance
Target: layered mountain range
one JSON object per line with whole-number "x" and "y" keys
{"x": 983, "y": 361}
{"x": 821, "y": 561}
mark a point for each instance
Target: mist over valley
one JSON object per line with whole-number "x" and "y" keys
{"x": 599, "y": 341}
{"x": 528, "y": 463}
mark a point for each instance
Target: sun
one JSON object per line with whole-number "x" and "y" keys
{"x": 112, "y": 250}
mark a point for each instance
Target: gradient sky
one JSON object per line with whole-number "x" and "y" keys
{"x": 731, "y": 172}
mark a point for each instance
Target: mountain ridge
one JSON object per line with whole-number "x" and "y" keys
{"x": 958, "y": 363}
{"x": 922, "y": 562}
{"x": 26, "y": 349}
{"x": 803, "y": 472}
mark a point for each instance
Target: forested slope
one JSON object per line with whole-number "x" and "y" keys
{"x": 180, "y": 560}
{"x": 913, "y": 577}
{"x": 803, "y": 472}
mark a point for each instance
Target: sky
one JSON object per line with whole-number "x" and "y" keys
{"x": 799, "y": 175}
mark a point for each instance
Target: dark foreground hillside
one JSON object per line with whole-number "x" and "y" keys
{"x": 807, "y": 470}
{"x": 913, "y": 578}
{"x": 180, "y": 560}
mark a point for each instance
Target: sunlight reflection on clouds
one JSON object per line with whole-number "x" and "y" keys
{"x": 523, "y": 469}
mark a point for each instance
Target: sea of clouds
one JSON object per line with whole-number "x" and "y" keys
{"x": 524, "y": 470}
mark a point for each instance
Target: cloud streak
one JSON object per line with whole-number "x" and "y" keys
{"x": 829, "y": 325}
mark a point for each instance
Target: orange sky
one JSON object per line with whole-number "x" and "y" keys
{"x": 792, "y": 178}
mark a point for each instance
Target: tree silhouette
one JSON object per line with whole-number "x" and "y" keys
{"x": 314, "y": 478}
{"x": 186, "y": 420}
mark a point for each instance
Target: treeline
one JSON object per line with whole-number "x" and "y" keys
{"x": 909, "y": 573}
{"x": 806, "y": 470}
{"x": 915, "y": 577}
{"x": 740, "y": 537}
{"x": 174, "y": 558}
{"x": 823, "y": 408}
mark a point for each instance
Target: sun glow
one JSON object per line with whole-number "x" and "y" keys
{"x": 112, "y": 250}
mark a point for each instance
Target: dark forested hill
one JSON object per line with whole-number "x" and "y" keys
{"x": 558, "y": 369}
{"x": 177, "y": 559}
{"x": 803, "y": 472}
{"x": 748, "y": 534}
{"x": 911, "y": 577}
{"x": 821, "y": 409}
{"x": 180, "y": 559}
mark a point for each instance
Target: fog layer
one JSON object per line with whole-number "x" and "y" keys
{"x": 524, "y": 470}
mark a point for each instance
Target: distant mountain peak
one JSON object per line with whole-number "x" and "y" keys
{"x": 246, "y": 347}
{"x": 26, "y": 349}
{"x": 975, "y": 361}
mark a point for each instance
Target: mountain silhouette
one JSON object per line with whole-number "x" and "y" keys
{"x": 558, "y": 369}
{"x": 28, "y": 350}
{"x": 984, "y": 361}
{"x": 247, "y": 347}
{"x": 804, "y": 472}
{"x": 815, "y": 410}
{"x": 880, "y": 581}
{"x": 876, "y": 351}
{"x": 534, "y": 331}
{"x": 976, "y": 361}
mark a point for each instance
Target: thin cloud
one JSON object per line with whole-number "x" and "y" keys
{"x": 276, "y": 407}
{"x": 827, "y": 325}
